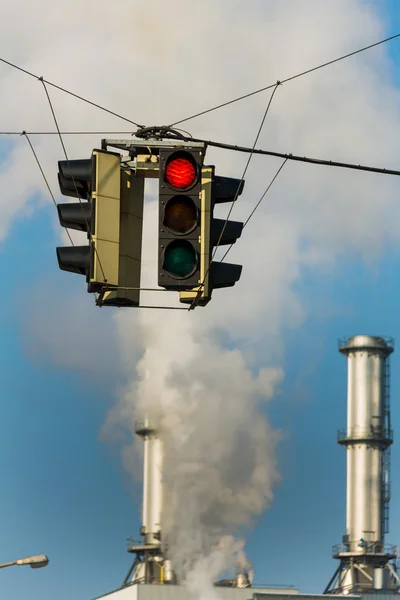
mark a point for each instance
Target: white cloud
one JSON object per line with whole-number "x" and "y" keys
{"x": 163, "y": 62}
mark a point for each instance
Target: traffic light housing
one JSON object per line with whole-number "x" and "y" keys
{"x": 215, "y": 232}
{"x": 130, "y": 246}
{"x": 179, "y": 241}
{"x": 111, "y": 213}
{"x": 96, "y": 182}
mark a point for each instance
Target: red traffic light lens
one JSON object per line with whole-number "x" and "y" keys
{"x": 180, "y": 215}
{"x": 180, "y": 171}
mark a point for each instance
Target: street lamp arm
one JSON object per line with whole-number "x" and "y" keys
{"x": 37, "y": 561}
{"x": 8, "y": 564}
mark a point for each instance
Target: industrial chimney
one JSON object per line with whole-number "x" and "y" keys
{"x": 151, "y": 565}
{"x": 366, "y": 563}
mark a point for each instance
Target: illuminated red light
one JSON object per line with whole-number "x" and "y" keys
{"x": 180, "y": 173}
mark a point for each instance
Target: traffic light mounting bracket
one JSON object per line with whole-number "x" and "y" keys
{"x": 147, "y": 164}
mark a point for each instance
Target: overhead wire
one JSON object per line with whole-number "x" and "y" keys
{"x": 291, "y": 78}
{"x": 25, "y": 134}
{"x": 70, "y": 133}
{"x": 197, "y": 298}
{"x": 245, "y": 169}
{"x": 258, "y": 203}
{"x": 72, "y": 177}
{"x": 58, "y": 87}
{"x": 296, "y": 158}
{"x": 45, "y": 179}
{"x": 162, "y": 307}
{"x": 232, "y": 147}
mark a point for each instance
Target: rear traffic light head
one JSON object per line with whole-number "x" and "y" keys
{"x": 96, "y": 181}
{"x": 179, "y": 218}
{"x": 215, "y": 232}
{"x": 76, "y": 180}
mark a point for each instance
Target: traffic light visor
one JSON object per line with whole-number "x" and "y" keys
{"x": 180, "y": 215}
{"x": 180, "y": 259}
{"x": 76, "y": 215}
{"x": 75, "y": 178}
{"x": 181, "y": 171}
{"x": 75, "y": 259}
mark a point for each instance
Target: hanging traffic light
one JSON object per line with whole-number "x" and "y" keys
{"x": 215, "y": 232}
{"x": 179, "y": 218}
{"x": 96, "y": 182}
{"x": 223, "y": 232}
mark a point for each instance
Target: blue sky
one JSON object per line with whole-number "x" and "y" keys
{"x": 65, "y": 492}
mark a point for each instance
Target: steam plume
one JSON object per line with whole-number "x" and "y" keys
{"x": 219, "y": 448}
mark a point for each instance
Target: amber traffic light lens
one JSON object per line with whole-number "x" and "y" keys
{"x": 180, "y": 215}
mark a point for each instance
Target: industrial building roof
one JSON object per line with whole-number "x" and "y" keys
{"x": 180, "y": 592}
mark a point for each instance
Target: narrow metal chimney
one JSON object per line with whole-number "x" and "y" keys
{"x": 151, "y": 564}
{"x": 366, "y": 563}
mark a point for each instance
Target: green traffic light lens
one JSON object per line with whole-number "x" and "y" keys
{"x": 180, "y": 259}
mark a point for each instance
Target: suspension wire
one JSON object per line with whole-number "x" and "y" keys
{"x": 69, "y": 92}
{"x": 305, "y": 159}
{"x": 245, "y": 171}
{"x": 70, "y": 133}
{"x": 258, "y": 203}
{"x": 142, "y": 289}
{"x": 268, "y": 87}
{"x": 232, "y": 147}
{"x": 73, "y": 180}
{"x": 163, "y": 307}
{"x": 45, "y": 180}
{"x": 24, "y": 133}
{"x": 197, "y": 298}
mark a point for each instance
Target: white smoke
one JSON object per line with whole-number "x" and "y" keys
{"x": 207, "y": 406}
{"x": 206, "y": 570}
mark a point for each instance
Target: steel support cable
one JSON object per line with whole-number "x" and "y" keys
{"x": 197, "y": 298}
{"x": 69, "y": 133}
{"x": 163, "y": 307}
{"x": 69, "y": 92}
{"x": 268, "y": 87}
{"x": 232, "y": 147}
{"x": 45, "y": 179}
{"x": 258, "y": 203}
{"x": 72, "y": 177}
{"x": 305, "y": 159}
{"x": 48, "y": 187}
{"x": 236, "y": 148}
{"x": 245, "y": 171}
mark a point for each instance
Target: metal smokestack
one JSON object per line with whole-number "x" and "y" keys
{"x": 151, "y": 565}
{"x": 366, "y": 564}
{"x": 152, "y": 484}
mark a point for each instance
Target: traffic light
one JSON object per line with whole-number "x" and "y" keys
{"x": 215, "y": 232}
{"x": 180, "y": 173}
{"x": 112, "y": 216}
{"x": 96, "y": 181}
